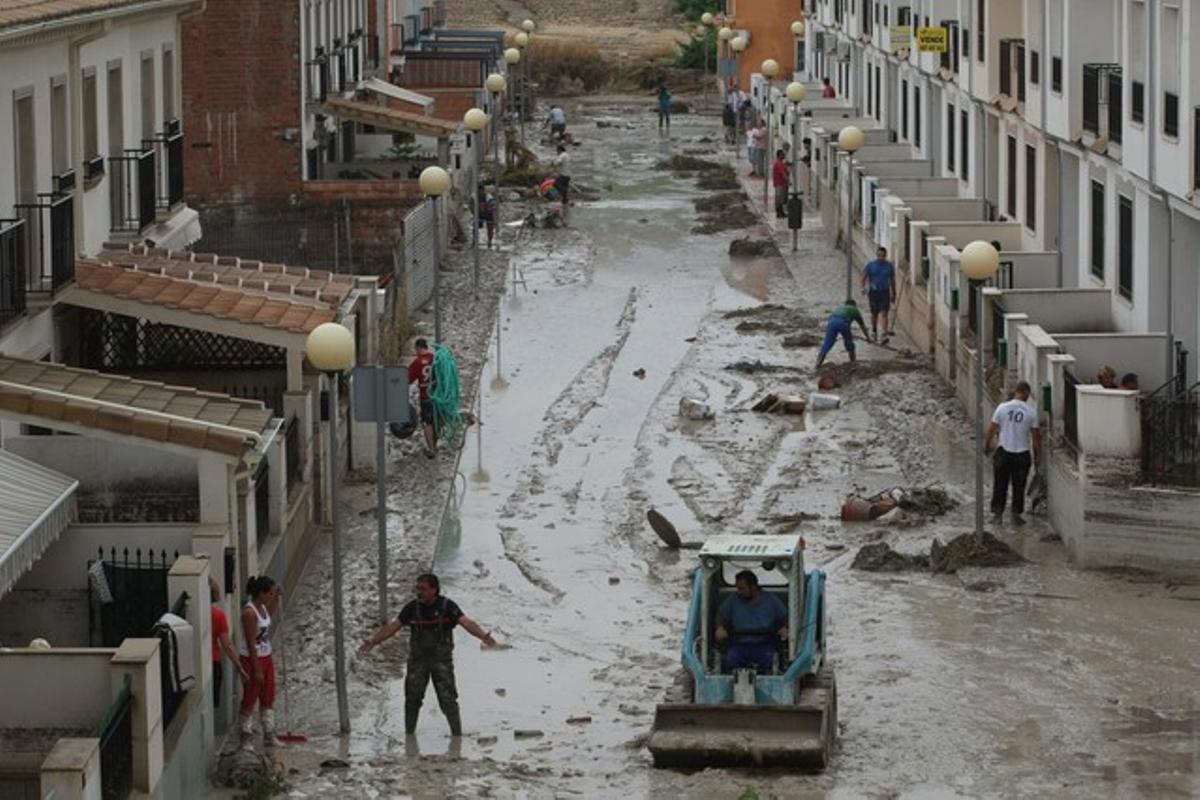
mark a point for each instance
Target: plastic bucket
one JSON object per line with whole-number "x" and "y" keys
{"x": 695, "y": 409}
{"x": 821, "y": 402}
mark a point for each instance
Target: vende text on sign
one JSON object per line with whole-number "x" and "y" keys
{"x": 933, "y": 40}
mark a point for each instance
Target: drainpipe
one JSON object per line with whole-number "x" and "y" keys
{"x": 1058, "y": 234}
{"x": 1171, "y": 286}
{"x": 1152, "y": 92}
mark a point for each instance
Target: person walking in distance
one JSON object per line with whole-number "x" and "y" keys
{"x": 257, "y": 660}
{"x": 557, "y": 120}
{"x": 779, "y": 180}
{"x": 431, "y": 619}
{"x": 1016, "y": 424}
{"x": 837, "y": 325}
{"x": 879, "y": 285}
{"x": 827, "y": 90}
{"x": 420, "y": 372}
{"x": 562, "y": 178}
{"x": 221, "y": 643}
{"x": 664, "y": 108}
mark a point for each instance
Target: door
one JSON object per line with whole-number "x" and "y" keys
{"x": 25, "y": 151}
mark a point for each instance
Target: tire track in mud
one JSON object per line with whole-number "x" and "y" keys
{"x": 563, "y": 417}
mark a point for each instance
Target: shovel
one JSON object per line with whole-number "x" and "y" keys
{"x": 666, "y": 531}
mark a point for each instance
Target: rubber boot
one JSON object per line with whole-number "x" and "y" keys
{"x": 410, "y": 719}
{"x": 246, "y": 728}
{"x": 268, "y": 726}
{"x": 455, "y": 720}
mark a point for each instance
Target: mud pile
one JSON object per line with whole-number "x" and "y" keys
{"x": 843, "y": 373}
{"x": 801, "y": 340}
{"x": 931, "y": 501}
{"x": 880, "y": 557}
{"x": 718, "y": 180}
{"x": 723, "y": 211}
{"x": 968, "y": 551}
{"x": 753, "y": 247}
{"x": 685, "y": 163}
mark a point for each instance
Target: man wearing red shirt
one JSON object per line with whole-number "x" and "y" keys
{"x": 420, "y": 372}
{"x": 827, "y": 90}
{"x": 779, "y": 179}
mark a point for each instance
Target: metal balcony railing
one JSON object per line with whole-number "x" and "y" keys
{"x": 133, "y": 190}
{"x": 1091, "y": 98}
{"x": 12, "y": 269}
{"x": 168, "y": 159}
{"x": 1116, "y": 107}
{"x": 1012, "y": 68}
{"x": 318, "y": 77}
{"x": 49, "y": 241}
{"x": 1196, "y": 147}
{"x": 426, "y": 21}
{"x": 1171, "y": 435}
{"x": 440, "y": 13}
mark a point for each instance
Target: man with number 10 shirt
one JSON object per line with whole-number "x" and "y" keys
{"x": 1016, "y": 422}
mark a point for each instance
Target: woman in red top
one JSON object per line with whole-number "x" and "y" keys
{"x": 221, "y": 643}
{"x": 779, "y": 179}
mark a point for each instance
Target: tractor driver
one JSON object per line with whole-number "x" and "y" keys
{"x": 752, "y": 622}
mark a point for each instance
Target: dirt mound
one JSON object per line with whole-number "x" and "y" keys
{"x": 719, "y": 202}
{"x": 753, "y": 247}
{"x": 845, "y": 372}
{"x": 773, "y": 318}
{"x": 689, "y": 164}
{"x": 756, "y": 367}
{"x": 754, "y": 311}
{"x": 724, "y": 211}
{"x": 931, "y": 501}
{"x": 717, "y": 180}
{"x": 968, "y": 551}
{"x": 802, "y": 340}
{"x": 880, "y": 557}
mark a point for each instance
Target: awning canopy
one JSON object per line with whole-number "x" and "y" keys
{"x": 397, "y": 92}
{"x": 36, "y": 506}
{"x": 390, "y": 118}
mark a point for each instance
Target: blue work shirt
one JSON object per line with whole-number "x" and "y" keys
{"x": 664, "y": 101}
{"x": 879, "y": 274}
{"x": 753, "y": 622}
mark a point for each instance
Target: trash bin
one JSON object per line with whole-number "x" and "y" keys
{"x": 795, "y": 212}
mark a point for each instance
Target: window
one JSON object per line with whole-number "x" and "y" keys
{"x": 870, "y": 94}
{"x": 964, "y": 142}
{"x": 1056, "y": 75}
{"x": 1125, "y": 249}
{"x": 148, "y": 94}
{"x": 904, "y": 108}
{"x": 1137, "y": 101}
{"x": 1012, "y": 177}
{"x": 1097, "y": 232}
{"x": 116, "y": 110}
{"x": 878, "y": 94}
{"x": 966, "y": 46}
{"x": 25, "y": 150}
{"x": 1035, "y": 67}
{"x": 950, "y": 148}
{"x": 981, "y": 20}
{"x": 917, "y": 115}
{"x": 91, "y": 143}
{"x": 1031, "y": 187}
{"x": 1171, "y": 114}
{"x": 168, "y": 79}
{"x": 60, "y": 159}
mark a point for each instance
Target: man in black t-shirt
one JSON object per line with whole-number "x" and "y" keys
{"x": 431, "y": 620}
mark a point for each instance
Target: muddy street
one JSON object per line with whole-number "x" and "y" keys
{"x": 1031, "y": 680}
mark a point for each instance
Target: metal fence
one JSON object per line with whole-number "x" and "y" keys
{"x": 12, "y": 269}
{"x": 414, "y": 261}
{"x": 49, "y": 241}
{"x": 291, "y": 438}
{"x": 136, "y": 584}
{"x": 1171, "y": 435}
{"x": 132, "y": 190}
{"x": 115, "y": 733}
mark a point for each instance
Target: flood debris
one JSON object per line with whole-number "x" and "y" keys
{"x": 880, "y": 557}
{"x": 798, "y": 340}
{"x": 781, "y": 404}
{"x": 824, "y": 402}
{"x": 753, "y": 247}
{"x": 580, "y": 719}
{"x": 772, "y": 318}
{"x": 930, "y": 501}
{"x": 967, "y": 550}
{"x": 692, "y": 408}
{"x": 717, "y": 180}
{"x": 640, "y": 374}
{"x": 748, "y": 367}
{"x": 686, "y": 163}
{"x": 528, "y": 733}
{"x": 846, "y": 372}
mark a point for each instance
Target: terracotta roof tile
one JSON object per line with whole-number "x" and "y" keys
{"x": 121, "y": 405}
{"x": 24, "y": 12}
{"x": 243, "y": 294}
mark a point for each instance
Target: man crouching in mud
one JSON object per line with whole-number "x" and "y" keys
{"x": 431, "y": 620}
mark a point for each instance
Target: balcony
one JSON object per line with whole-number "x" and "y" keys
{"x": 440, "y": 14}
{"x": 49, "y": 250}
{"x": 12, "y": 269}
{"x": 426, "y": 21}
{"x": 168, "y": 158}
{"x": 133, "y": 191}
{"x": 1102, "y": 94}
{"x": 318, "y": 77}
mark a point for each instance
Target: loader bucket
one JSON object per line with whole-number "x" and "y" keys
{"x": 698, "y": 736}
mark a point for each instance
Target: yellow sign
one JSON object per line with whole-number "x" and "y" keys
{"x": 933, "y": 40}
{"x": 900, "y": 37}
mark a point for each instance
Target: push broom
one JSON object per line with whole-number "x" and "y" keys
{"x": 289, "y": 736}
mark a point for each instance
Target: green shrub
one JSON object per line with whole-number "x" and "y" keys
{"x": 692, "y": 9}
{"x": 691, "y": 53}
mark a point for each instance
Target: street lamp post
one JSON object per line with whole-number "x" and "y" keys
{"x": 725, "y": 37}
{"x": 512, "y": 57}
{"x": 496, "y": 85}
{"x": 979, "y": 262}
{"x": 475, "y": 121}
{"x": 795, "y": 93}
{"x": 850, "y": 140}
{"x": 769, "y": 69}
{"x": 434, "y": 183}
{"x": 330, "y": 348}
{"x": 522, "y": 41}
{"x": 706, "y": 20}
{"x": 797, "y": 36}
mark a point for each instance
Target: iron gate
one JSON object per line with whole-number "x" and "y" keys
{"x": 136, "y": 597}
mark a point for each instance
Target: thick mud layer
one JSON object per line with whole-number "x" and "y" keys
{"x": 545, "y": 543}
{"x": 968, "y": 550}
